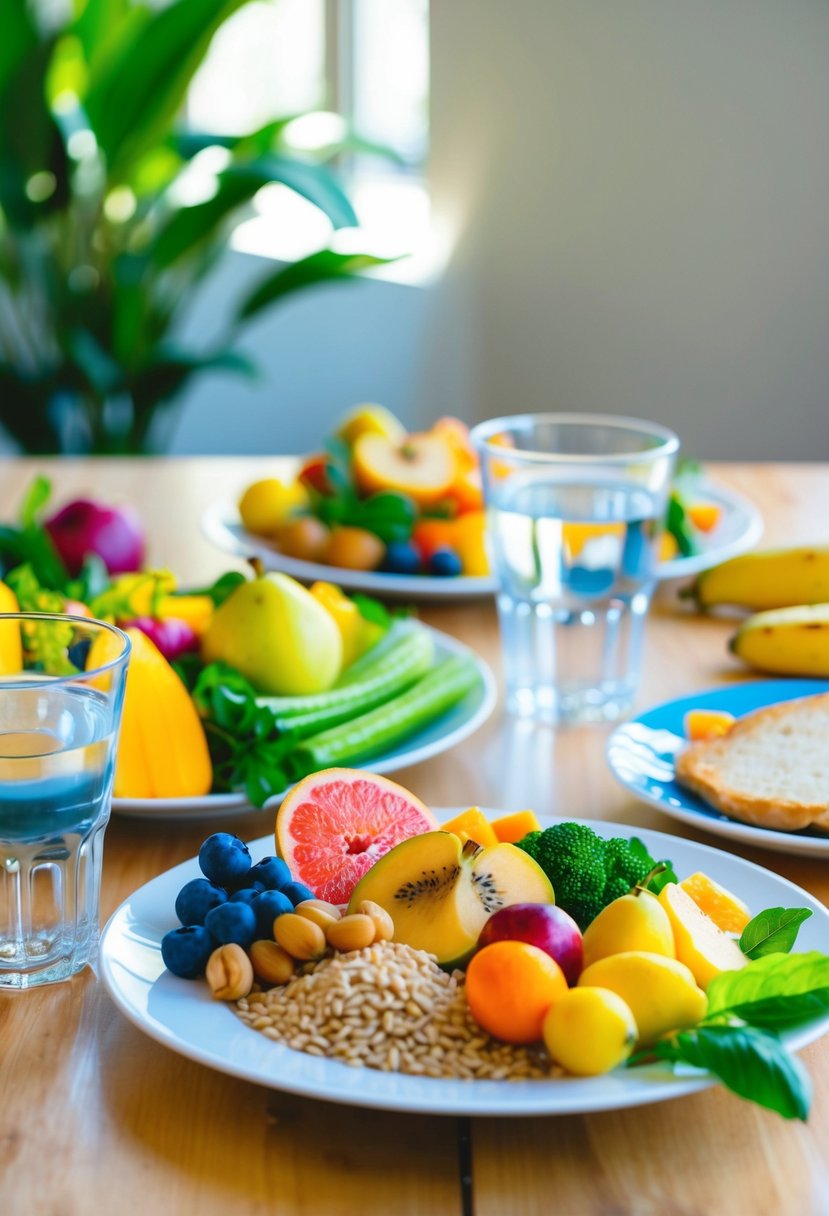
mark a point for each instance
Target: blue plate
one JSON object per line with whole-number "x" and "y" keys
{"x": 641, "y": 756}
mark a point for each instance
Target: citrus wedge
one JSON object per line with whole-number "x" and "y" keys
{"x": 727, "y": 910}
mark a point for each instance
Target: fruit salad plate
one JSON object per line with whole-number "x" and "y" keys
{"x": 447, "y": 731}
{"x": 739, "y": 528}
{"x": 641, "y": 756}
{"x": 182, "y": 1015}
{"x": 223, "y": 527}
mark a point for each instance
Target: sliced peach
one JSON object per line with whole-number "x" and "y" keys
{"x": 470, "y": 543}
{"x": 704, "y": 949}
{"x": 422, "y": 466}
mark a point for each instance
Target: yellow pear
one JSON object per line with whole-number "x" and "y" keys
{"x": 661, "y": 992}
{"x": 278, "y": 635}
{"x": 700, "y": 944}
{"x": 636, "y": 921}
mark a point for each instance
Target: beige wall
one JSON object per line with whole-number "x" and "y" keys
{"x": 638, "y": 192}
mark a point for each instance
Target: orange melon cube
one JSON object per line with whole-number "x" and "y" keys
{"x": 472, "y": 825}
{"x": 705, "y": 515}
{"x": 707, "y": 724}
{"x": 509, "y": 829}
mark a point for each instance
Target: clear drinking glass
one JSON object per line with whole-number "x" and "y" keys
{"x": 575, "y": 512}
{"x": 61, "y": 692}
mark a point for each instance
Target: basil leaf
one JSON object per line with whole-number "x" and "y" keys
{"x": 372, "y": 610}
{"x": 752, "y": 1063}
{"x": 775, "y": 991}
{"x": 773, "y": 931}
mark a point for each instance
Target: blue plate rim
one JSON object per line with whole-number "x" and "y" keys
{"x": 748, "y": 695}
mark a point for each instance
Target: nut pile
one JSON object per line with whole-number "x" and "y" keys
{"x": 390, "y": 1007}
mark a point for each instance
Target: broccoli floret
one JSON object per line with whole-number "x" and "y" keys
{"x": 587, "y": 872}
{"x": 572, "y": 857}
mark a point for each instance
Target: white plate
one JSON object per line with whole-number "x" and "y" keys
{"x": 740, "y": 527}
{"x": 222, "y": 526}
{"x": 183, "y": 1016}
{"x": 460, "y": 722}
{"x": 641, "y": 756}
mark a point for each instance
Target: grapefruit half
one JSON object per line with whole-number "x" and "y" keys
{"x": 335, "y": 824}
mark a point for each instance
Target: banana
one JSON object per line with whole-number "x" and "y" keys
{"x": 788, "y": 641}
{"x": 772, "y": 578}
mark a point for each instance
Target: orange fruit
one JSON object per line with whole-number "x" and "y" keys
{"x": 467, "y": 490}
{"x": 705, "y": 515}
{"x": 456, "y": 432}
{"x": 510, "y": 986}
{"x": 707, "y": 723}
{"x": 431, "y": 534}
{"x": 422, "y": 465}
{"x": 335, "y": 824}
{"x": 470, "y": 543}
{"x": 726, "y": 910}
{"x": 355, "y": 549}
{"x": 472, "y": 825}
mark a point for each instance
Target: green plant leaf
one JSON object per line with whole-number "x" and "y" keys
{"x": 324, "y": 266}
{"x": 136, "y": 93}
{"x": 773, "y": 931}
{"x": 777, "y": 990}
{"x": 34, "y": 500}
{"x": 20, "y": 36}
{"x": 191, "y": 226}
{"x": 752, "y": 1063}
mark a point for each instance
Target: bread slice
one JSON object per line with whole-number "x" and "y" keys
{"x": 771, "y": 768}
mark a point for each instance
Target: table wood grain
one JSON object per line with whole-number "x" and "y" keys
{"x": 97, "y": 1118}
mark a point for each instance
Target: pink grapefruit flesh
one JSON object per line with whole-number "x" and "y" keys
{"x": 335, "y": 824}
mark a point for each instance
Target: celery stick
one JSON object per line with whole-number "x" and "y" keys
{"x": 375, "y": 732}
{"x": 410, "y": 656}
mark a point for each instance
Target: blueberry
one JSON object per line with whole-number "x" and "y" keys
{"x": 401, "y": 558}
{"x": 267, "y": 907}
{"x": 186, "y": 951}
{"x": 232, "y": 922}
{"x": 224, "y": 859}
{"x": 246, "y": 895}
{"x": 297, "y": 892}
{"x": 196, "y": 898}
{"x": 445, "y": 563}
{"x": 271, "y": 872}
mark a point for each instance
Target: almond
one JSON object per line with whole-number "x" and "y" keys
{"x": 383, "y": 923}
{"x": 271, "y": 963}
{"x": 314, "y": 911}
{"x": 229, "y": 973}
{"x": 299, "y": 936}
{"x": 351, "y": 933}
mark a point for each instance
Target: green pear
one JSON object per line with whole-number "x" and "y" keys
{"x": 277, "y": 635}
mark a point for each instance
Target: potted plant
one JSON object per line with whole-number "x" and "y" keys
{"x": 99, "y": 254}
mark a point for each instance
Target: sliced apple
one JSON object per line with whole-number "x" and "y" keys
{"x": 422, "y": 466}
{"x": 440, "y": 893}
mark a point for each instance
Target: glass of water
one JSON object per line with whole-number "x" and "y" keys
{"x": 61, "y": 692}
{"x": 575, "y": 511}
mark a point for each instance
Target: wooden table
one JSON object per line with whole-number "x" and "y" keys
{"x": 97, "y": 1118}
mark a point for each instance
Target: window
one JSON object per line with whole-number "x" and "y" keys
{"x": 366, "y": 60}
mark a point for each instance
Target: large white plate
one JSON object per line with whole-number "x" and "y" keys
{"x": 182, "y": 1015}
{"x": 460, "y": 722}
{"x": 641, "y": 756}
{"x": 739, "y": 528}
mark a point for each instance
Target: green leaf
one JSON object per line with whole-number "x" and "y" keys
{"x": 191, "y": 226}
{"x": 752, "y": 1063}
{"x": 19, "y": 37}
{"x": 34, "y": 500}
{"x": 137, "y": 92}
{"x": 677, "y": 523}
{"x": 372, "y": 610}
{"x": 223, "y": 587}
{"x": 773, "y": 931}
{"x": 777, "y": 990}
{"x": 320, "y": 267}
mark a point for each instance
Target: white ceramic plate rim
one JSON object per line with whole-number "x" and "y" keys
{"x": 131, "y": 970}
{"x": 743, "y": 524}
{"x": 730, "y": 829}
{"x": 222, "y": 805}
